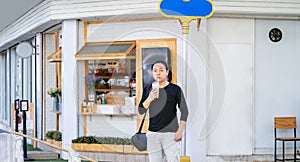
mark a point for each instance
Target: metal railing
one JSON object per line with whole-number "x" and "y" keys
{"x": 51, "y": 145}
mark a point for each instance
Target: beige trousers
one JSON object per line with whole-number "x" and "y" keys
{"x": 162, "y": 146}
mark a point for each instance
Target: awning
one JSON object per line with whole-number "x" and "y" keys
{"x": 107, "y": 50}
{"x": 55, "y": 57}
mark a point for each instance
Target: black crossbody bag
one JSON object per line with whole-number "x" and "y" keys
{"x": 139, "y": 139}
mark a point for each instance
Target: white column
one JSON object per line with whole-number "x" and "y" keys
{"x": 184, "y": 83}
{"x": 8, "y": 85}
{"x": 12, "y": 74}
{"x": 33, "y": 85}
{"x": 26, "y": 79}
{"x": 69, "y": 83}
{"x": 39, "y": 84}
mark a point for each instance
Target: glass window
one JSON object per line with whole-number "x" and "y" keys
{"x": 23, "y": 78}
{"x": 18, "y": 79}
{"x": 106, "y": 50}
{"x": 3, "y": 109}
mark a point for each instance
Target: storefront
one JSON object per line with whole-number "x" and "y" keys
{"x": 227, "y": 116}
{"x": 97, "y": 57}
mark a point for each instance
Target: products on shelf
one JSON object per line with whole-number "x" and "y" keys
{"x": 114, "y": 86}
{"x": 87, "y": 108}
{"x": 103, "y": 100}
{"x": 133, "y": 83}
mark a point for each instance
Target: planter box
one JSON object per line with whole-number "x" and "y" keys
{"x": 51, "y": 141}
{"x": 110, "y": 148}
{"x": 57, "y": 143}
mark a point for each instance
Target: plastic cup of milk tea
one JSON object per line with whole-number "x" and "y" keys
{"x": 155, "y": 85}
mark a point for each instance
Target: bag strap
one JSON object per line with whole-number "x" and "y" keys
{"x": 141, "y": 126}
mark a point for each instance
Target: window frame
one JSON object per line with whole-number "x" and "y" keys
{"x": 4, "y": 89}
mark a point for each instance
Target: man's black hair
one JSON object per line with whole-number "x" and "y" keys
{"x": 162, "y": 62}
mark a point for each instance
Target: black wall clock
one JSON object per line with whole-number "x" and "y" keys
{"x": 275, "y": 35}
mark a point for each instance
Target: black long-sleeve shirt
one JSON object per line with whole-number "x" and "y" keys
{"x": 163, "y": 110}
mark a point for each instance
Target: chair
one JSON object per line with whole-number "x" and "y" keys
{"x": 285, "y": 123}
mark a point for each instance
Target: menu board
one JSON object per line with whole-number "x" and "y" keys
{"x": 149, "y": 56}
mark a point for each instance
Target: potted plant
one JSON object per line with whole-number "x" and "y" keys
{"x": 55, "y": 93}
{"x": 54, "y": 137}
{"x": 84, "y": 103}
{"x": 92, "y": 81}
{"x": 49, "y": 136}
{"x": 57, "y": 136}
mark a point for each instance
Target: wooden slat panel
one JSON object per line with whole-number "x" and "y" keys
{"x": 89, "y": 8}
{"x": 258, "y": 4}
{"x": 92, "y": 8}
{"x": 285, "y": 122}
{"x": 57, "y": 10}
{"x": 257, "y": 8}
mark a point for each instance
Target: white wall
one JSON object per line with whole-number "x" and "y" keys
{"x": 230, "y": 86}
{"x": 196, "y": 76}
{"x": 277, "y": 78}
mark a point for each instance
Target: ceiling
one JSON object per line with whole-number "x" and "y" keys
{"x": 11, "y": 10}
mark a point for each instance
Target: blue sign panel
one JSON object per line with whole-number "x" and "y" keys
{"x": 186, "y": 8}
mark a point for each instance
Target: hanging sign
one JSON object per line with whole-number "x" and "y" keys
{"x": 24, "y": 105}
{"x": 186, "y": 10}
{"x": 24, "y": 49}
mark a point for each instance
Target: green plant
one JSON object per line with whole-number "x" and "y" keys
{"x": 92, "y": 81}
{"x": 49, "y": 134}
{"x": 57, "y": 136}
{"x": 102, "y": 140}
{"x": 54, "y": 92}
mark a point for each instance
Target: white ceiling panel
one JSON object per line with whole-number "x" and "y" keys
{"x": 10, "y": 10}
